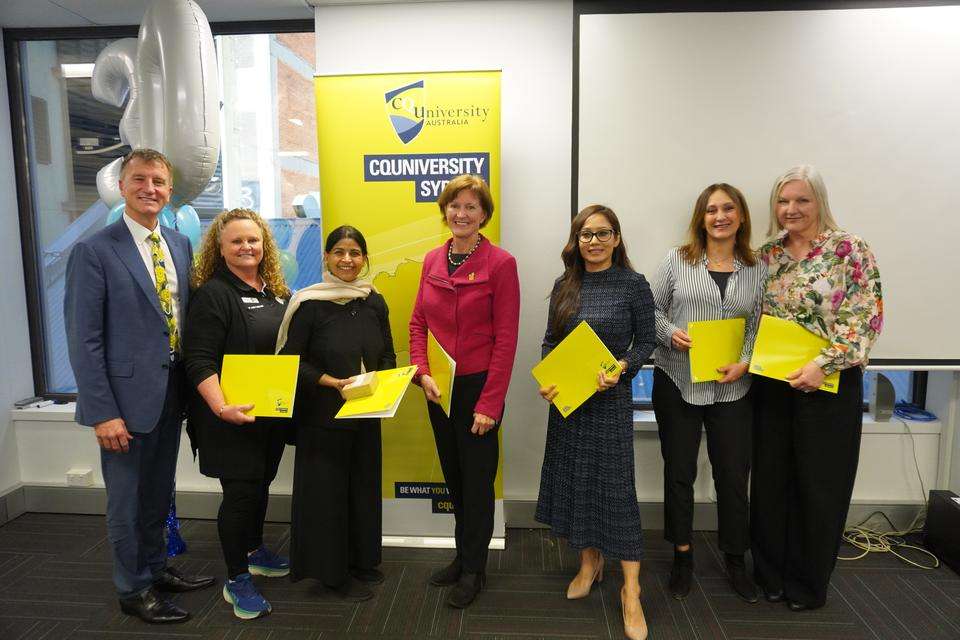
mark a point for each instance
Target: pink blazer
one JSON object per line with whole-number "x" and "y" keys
{"x": 474, "y": 314}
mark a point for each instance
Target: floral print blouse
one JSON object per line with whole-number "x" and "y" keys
{"x": 834, "y": 292}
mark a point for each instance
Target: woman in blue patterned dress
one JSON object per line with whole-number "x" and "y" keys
{"x": 587, "y": 490}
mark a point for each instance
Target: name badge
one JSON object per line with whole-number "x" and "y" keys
{"x": 250, "y": 300}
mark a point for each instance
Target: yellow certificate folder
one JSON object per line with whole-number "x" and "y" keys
{"x": 782, "y": 347}
{"x": 573, "y": 366}
{"x": 269, "y": 383}
{"x": 443, "y": 368}
{"x": 716, "y": 343}
{"x": 391, "y": 385}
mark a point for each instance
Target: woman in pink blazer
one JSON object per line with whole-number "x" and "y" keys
{"x": 469, "y": 298}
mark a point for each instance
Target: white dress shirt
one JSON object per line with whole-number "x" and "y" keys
{"x": 141, "y": 238}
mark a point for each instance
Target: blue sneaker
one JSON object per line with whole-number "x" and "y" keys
{"x": 246, "y": 600}
{"x": 264, "y": 562}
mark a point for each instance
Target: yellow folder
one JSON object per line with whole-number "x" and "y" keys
{"x": 391, "y": 385}
{"x": 716, "y": 343}
{"x": 573, "y": 366}
{"x": 269, "y": 383}
{"x": 443, "y": 368}
{"x": 782, "y": 347}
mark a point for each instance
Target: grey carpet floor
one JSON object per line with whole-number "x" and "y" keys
{"x": 55, "y": 583}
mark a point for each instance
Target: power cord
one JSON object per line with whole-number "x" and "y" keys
{"x": 894, "y": 541}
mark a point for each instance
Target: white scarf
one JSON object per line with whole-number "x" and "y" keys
{"x": 332, "y": 289}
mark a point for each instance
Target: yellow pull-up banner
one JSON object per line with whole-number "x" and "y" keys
{"x": 387, "y": 145}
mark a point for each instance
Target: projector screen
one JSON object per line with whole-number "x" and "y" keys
{"x": 669, "y": 103}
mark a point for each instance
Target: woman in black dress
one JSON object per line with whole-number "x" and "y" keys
{"x": 587, "y": 490}
{"x": 340, "y": 328}
{"x": 237, "y": 307}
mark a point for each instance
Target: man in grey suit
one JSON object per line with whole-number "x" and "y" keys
{"x": 126, "y": 291}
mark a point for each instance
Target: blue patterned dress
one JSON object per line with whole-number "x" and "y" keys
{"x": 587, "y": 491}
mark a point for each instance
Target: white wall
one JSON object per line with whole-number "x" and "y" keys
{"x": 15, "y": 381}
{"x": 531, "y": 43}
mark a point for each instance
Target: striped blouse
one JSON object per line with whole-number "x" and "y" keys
{"x": 685, "y": 293}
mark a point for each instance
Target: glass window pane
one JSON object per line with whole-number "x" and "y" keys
{"x": 268, "y": 156}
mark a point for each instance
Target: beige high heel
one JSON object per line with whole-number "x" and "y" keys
{"x": 577, "y": 590}
{"x": 638, "y": 630}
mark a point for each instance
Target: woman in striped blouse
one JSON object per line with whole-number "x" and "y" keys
{"x": 714, "y": 276}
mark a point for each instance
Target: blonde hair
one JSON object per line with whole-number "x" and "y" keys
{"x": 809, "y": 174}
{"x": 208, "y": 258}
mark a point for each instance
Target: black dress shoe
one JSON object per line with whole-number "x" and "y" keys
{"x": 352, "y": 590}
{"x": 151, "y": 607}
{"x": 796, "y": 606}
{"x": 681, "y": 575}
{"x": 772, "y": 596}
{"x": 446, "y": 576}
{"x": 172, "y": 580}
{"x": 739, "y": 580}
{"x": 369, "y": 576}
{"x": 466, "y": 590}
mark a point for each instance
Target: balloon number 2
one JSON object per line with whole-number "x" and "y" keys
{"x": 167, "y": 77}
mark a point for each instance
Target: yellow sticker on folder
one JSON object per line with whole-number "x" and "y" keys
{"x": 573, "y": 366}
{"x": 782, "y": 347}
{"x": 269, "y": 383}
{"x": 391, "y": 385}
{"x": 716, "y": 343}
{"x": 443, "y": 368}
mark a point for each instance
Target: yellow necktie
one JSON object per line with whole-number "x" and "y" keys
{"x": 166, "y": 301}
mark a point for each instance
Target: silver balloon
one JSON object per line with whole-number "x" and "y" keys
{"x": 168, "y": 77}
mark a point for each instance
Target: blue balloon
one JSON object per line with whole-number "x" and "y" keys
{"x": 188, "y": 223}
{"x": 168, "y": 218}
{"x": 282, "y": 232}
{"x": 288, "y": 264}
{"x": 309, "y": 257}
{"x": 115, "y": 213}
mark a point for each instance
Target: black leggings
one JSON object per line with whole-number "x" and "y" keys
{"x": 240, "y": 521}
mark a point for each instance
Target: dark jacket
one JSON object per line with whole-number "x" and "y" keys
{"x": 331, "y": 338}
{"x": 218, "y": 324}
{"x": 117, "y": 334}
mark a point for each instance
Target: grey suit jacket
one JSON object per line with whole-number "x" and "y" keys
{"x": 116, "y": 332}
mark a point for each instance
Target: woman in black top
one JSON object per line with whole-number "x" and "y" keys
{"x": 237, "y": 308}
{"x": 340, "y": 328}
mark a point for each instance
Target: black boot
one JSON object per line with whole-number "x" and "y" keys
{"x": 448, "y": 575}
{"x": 739, "y": 580}
{"x": 681, "y": 575}
{"x": 466, "y": 589}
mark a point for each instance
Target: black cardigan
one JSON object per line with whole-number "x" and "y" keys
{"x": 217, "y": 324}
{"x": 331, "y": 338}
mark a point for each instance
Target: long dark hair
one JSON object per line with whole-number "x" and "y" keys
{"x": 696, "y": 244}
{"x": 567, "y": 298}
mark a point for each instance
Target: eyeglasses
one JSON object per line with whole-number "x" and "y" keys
{"x": 603, "y": 235}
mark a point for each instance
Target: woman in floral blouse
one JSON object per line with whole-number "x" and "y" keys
{"x": 807, "y": 442}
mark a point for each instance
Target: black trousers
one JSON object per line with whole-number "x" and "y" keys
{"x": 336, "y": 520}
{"x": 242, "y": 510}
{"x": 806, "y": 449}
{"x": 469, "y": 464}
{"x": 728, "y": 426}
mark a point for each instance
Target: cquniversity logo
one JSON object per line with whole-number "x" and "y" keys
{"x": 405, "y": 110}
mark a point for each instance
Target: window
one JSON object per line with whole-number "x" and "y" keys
{"x": 268, "y": 160}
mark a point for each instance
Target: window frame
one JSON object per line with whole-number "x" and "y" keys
{"x": 27, "y": 216}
